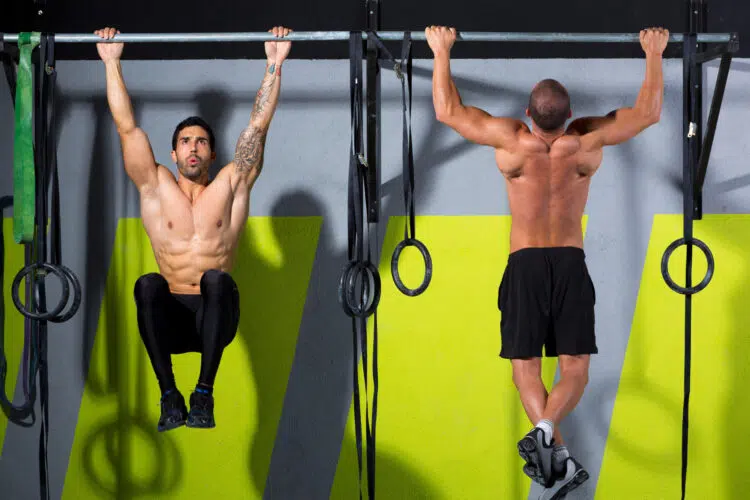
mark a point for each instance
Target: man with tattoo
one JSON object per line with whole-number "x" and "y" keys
{"x": 192, "y": 304}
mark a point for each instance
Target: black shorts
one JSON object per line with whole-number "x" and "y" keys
{"x": 546, "y": 298}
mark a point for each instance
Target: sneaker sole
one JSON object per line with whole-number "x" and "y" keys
{"x": 170, "y": 426}
{"x": 201, "y": 425}
{"x": 528, "y": 450}
{"x": 580, "y": 478}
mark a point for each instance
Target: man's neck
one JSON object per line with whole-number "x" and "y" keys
{"x": 192, "y": 189}
{"x": 548, "y": 136}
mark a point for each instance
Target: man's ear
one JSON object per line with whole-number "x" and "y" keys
{"x": 174, "y": 156}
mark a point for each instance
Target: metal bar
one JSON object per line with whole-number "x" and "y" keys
{"x": 417, "y": 35}
{"x": 713, "y": 119}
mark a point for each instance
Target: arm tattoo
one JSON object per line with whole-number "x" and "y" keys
{"x": 249, "y": 152}
{"x": 264, "y": 94}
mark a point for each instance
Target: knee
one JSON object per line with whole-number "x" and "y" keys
{"x": 215, "y": 283}
{"x": 577, "y": 372}
{"x": 525, "y": 373}
{"x": 149, "y": 287}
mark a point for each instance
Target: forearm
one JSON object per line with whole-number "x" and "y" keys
{"x": 267, "y": 97}
{"x": 649, "y": 101}
{"x": 118, "y": 98}
{"x": 445, "y": 95}
{"x": 248, "y": 154}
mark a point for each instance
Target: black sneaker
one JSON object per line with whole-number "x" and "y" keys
{"x": 201, "y": 411}
{"x": 575, "y": 475}
{"x": 538, "y": 457}
{"x": 173, "y": 411}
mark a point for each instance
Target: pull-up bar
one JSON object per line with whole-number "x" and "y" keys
{"x": 475, "y": 36}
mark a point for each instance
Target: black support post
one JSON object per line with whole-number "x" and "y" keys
{"x": 691, "y": 103}
{"x": 372, "y": 180}
{"x": 697, "y": 23}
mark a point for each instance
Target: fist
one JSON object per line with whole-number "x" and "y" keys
{"x": 440, "y": 38}
{"x": 109, "y": 51}
{"x": 654, "y": 40}
{"x": 277, "y": 51}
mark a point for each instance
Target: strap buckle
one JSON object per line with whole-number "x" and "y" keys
{"x": 362, "y": 160}
{"x": 399, "y": 71}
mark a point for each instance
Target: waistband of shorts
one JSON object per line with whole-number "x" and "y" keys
{"x": 547, "y": 251}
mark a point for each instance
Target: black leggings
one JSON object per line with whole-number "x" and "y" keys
{"x": 174, "y": 324}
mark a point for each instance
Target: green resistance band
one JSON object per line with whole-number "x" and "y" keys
{"x": 24, "y": 176}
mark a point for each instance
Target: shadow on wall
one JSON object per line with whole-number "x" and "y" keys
{"x": 116, "y": 424}
{"x": 100, "y": 221}
{"x": 652, "y": 386}
{"x": 118, "y": 379}
{"x": 214, "y": 106}
{"x": 323, "y": 360}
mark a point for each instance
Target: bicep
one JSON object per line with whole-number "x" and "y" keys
{"x": 139, "y": 159}
{"x": 480, "y": 127}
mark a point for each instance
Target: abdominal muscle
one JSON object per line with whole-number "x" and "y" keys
{"x": 182, "y": 263}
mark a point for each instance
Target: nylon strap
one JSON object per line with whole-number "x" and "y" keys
{"x": 404, "y": 74}
{"x": 23, "y": 149}
{"x": 45, "y": 95}
{"x": 361, "y": 265}
{"x": 353, "y": 249}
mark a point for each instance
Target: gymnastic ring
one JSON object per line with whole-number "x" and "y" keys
{"x": 411, "y": 242}
{"x": 347, "y": 282}
{"x": 63, "y": 299}
{"x": 665, "y": 267}
{"x": 76, "y": 296}
{"x": 363, "y": 310}
{"x": 366, "y": 306}
{"x": 341, "y": 291}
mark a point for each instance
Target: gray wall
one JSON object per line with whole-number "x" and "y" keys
{"x": 306, "y": 168}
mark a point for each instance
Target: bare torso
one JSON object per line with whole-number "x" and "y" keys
{"x": 548, "y": 186}
{"x": 191, "y": 236}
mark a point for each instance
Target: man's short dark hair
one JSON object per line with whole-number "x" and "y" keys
{"x": 549, "y": 105}
{"x": 191, "y": 122}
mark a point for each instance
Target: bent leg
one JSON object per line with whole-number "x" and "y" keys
{"x": 569, "y": 474}
{"x": 527, "y": 376}
{"x": 217, "y": 321}
{"x": 159, "y": 316}
{"x": 152, "y": 298}
{"x": 565, "y": 395}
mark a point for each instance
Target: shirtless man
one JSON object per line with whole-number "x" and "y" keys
{"x": 192, "y": 305}
{"x": 546, "y": 295}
